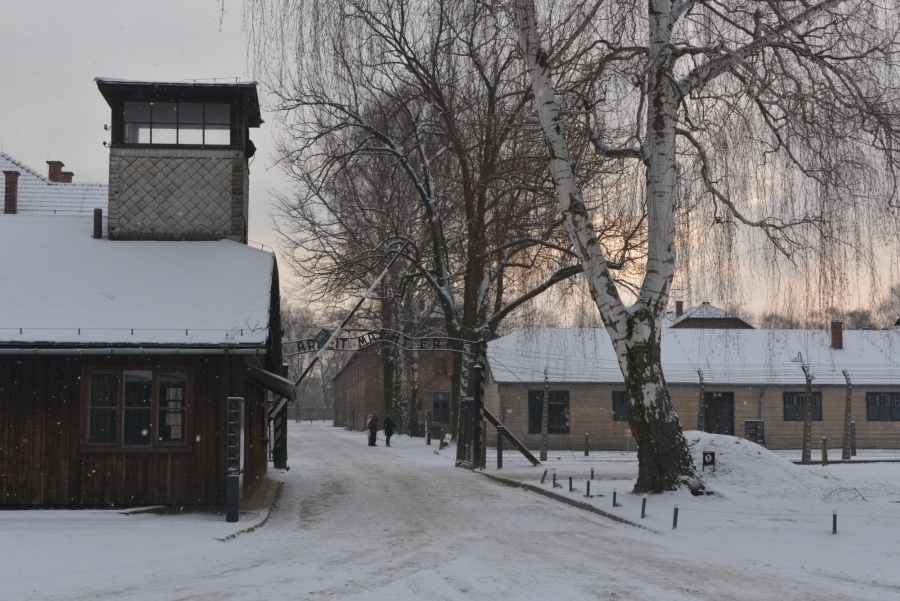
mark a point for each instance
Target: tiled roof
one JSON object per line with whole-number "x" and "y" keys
{"x": 37, "y": 194}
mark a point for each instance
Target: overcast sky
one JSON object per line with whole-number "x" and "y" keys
{"x": 51, "y": 51}
{"x": 50, "y": 108}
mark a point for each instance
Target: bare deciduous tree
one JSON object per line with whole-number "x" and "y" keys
{"x": 406, "y": 119}
{"x": 778, "y": 116}
{"x": 300, "y": 323}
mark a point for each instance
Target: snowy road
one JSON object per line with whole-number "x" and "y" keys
{"x": 354, "y": 522}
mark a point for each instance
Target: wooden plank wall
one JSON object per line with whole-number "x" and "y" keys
{"x": 42, "y": 462}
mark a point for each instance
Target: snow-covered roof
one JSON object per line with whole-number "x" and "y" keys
{"x": 727, "y": 356}
{"x": 61, "y": 286}
{"x": 185, "y": 83}
{"x": 37, "y": 194}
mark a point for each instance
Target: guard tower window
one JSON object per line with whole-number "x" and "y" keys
{"x": 177, "y": 123}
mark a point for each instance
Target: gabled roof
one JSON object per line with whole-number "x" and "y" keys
{"x": 37, "y": 194}
{"x": 585, "y": 355}
{"x": 707, "y": 313}
{"x": 63, "y": 287}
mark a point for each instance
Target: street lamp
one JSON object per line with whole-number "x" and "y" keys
{"x": 805, "y": 456}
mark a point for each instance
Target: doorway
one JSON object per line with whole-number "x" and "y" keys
{"x": 718, "y": 408}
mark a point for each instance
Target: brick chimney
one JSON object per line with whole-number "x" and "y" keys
{"x": 679, "y": 308}
{"x": 11, "y": 192}
{"x": 837, "y": 334}
{"x": 54, "y": 173}
{"x": 98, "y": 224}
{"x": 66, "y": 177}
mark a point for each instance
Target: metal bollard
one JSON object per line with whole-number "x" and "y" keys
{"x": 587, "y": 439}
{"x": 644, "y": 507}
{"x": 675, "y": 518}
{"x": 500, "y": 448}
{"x": 570, "y": 484}
{"x": 824, "y": 450}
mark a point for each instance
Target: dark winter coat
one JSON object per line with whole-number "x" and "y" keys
{"x": 388, "y": 426}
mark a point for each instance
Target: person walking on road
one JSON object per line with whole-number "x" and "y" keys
{"x": 388, "y": 429}
{"x": 372, "y": 426}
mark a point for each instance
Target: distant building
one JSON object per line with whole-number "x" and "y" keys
{"x": 26, "y": 192}
{"x": 725, "y": 381}
{"x": 359, "y": 387}
{"x": 706, "y": 316}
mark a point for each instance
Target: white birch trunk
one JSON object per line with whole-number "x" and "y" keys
{"x": 664, "y": 458}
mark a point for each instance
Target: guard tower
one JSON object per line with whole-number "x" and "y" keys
{"x": 178, "y": 159}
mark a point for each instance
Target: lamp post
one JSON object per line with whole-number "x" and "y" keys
{"x": 806, "y": 454}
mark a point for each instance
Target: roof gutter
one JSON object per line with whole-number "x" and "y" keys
{"x": 132, "y": 351}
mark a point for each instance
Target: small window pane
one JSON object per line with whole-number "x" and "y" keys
{"x": 558, "y": 412}
{"x": 137, "y": 427}
{"x": 190, "y": 112}
{"x": 218, "y": 113}
{"x": 190, "y": 134}
{"x": 138, "y": 388}
{"x": 535, "y": 411}
{"x": 218, "y": 135}
{"x": 104, "y": 390}
{"x": 440, "y": 405}
{"x": 137, "y": 133}
{"x": 137, "y": 111}
{"x": 172, "y": 403}
{"x": 620, "y": 406}
{"x": 165, "y": 112}
{"x": 137, "y": 412}
{"x": 164, "y": 134}
{"x": 103, "y": 411}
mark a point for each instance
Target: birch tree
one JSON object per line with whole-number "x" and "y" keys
{"x": 780, "y": 116}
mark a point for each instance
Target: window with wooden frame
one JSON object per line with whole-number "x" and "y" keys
{"x": 440, "y": 407}
{"x": 177, "y": 123}
{"x": 620, "y": 406}
{"x": 440, "y": 367}
{"x": 795, "y": 406}
{"x": 557, "y": 411}
{"x": 136, "y": 408}
{"x": 882, "y": 406}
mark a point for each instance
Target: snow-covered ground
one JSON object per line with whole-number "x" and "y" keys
{"x": 355, "y": 522}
